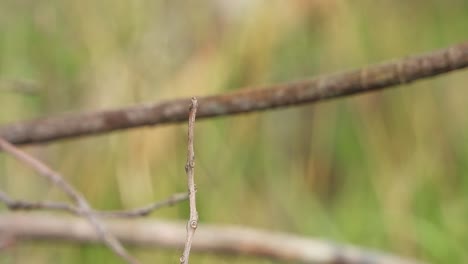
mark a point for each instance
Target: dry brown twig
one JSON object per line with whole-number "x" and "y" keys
{"x": 146, "y": 210}
{"x": 373, "y": 77}
{"x": 17, "y": 205}
{"x": 82, "y": 206}
{"x": 214, "y": 239}
{"x": 190, "y": 171}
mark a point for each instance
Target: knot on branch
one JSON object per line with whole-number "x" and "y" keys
{"x": 194, "y": 224}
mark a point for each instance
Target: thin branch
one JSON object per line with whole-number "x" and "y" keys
{"x": 212, "y": 239}
{"x": 145, "y": 210}
{"x": 85, "y": 209}
{"x": 190, "y": 171}
{"x": 17, "y": 205}
{"x": 324, "y": 87}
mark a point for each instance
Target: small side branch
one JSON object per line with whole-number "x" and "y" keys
{"x": 22, "y": 205}
{"x": 190, "y": 171}
{"x": 83, "y": 207}
{"x": 145, "y": 210}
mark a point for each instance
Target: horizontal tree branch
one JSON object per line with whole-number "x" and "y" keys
{"x": 22, "y": 205}
{"x": 145, "y": 210}
{"x": 324, "y": 87}
{"x": 211, "y": 239}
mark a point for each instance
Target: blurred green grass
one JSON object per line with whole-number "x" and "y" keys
{"x": 385, "y": 170}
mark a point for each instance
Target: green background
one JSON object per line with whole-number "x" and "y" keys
{"x": 386, "y": 170}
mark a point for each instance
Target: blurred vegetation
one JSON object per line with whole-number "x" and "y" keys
{"x": 386, "y": 170}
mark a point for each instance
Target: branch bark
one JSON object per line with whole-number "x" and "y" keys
{"x": 229, "y": 240}
{"x": 22, "y": 205}
{"x": 324, "y": 87}
{"x": 190, "y": 171}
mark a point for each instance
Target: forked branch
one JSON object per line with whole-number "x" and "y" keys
{"x": 83, "y": 207}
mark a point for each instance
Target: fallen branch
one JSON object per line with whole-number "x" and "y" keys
{"x": 22, "y": 205}
{"x": 210, "y": 239}
{"x": 370, "y": 78}
{"x": 83, "y": 207}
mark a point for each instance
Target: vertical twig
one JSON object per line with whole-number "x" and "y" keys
{"x": 189, "y": 170}
{"x": 85, "y": 209}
